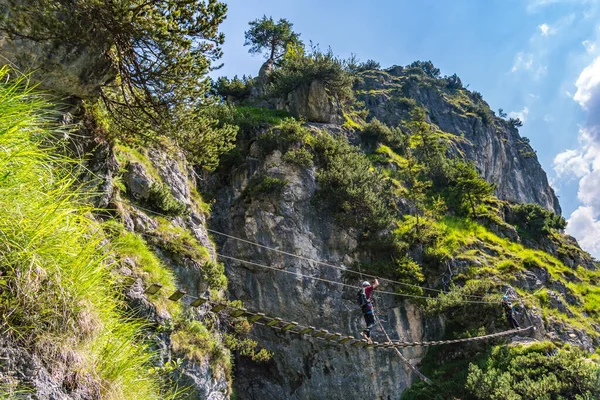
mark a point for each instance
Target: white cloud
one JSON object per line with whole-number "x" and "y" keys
{"x": 586, "y": 228}
{"x": 590, "y": 46}
{"x": 523, "y": 61}
{"x": 571, "y": 163}
{"x": 584, "y": 162}
{"x": 588, "y": 84}
{"x": 547, "y": 30}
{"x": 522, "y": 115}
{"x": 548, "y": 118}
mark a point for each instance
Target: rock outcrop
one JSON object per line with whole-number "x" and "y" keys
{"x": 313, "y": 103}
{"x": 502, "y": 156}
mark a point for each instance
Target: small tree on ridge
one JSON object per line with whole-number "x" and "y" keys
{"x": 273, "y": 37}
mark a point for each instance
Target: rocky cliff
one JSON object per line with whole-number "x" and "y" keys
{"x": 501, "y": 155}
{"x": 293, "y": 222}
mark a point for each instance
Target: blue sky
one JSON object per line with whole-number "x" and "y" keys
{"x": 533, "y": 58}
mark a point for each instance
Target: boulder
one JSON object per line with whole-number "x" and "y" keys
{"x": 313, "y": 103}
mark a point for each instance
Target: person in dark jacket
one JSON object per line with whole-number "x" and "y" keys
{"x": 509, "y": 310}
{"x": 364, "y": 301}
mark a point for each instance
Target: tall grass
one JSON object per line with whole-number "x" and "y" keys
{"x": 57, "y": 295}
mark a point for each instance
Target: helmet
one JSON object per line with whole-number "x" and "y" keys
{"x": 505, "y": 297}
{"x": 366, "y": 283}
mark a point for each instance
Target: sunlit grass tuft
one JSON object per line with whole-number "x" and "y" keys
{"x": 59, "y": 296}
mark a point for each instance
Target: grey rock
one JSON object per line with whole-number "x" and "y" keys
{"x": 201, "y": 378}
{"x": 138, "y": 181}
{"x": 532, "y": 279}
{"x": 560, "y": 332}
{"x": 292, "y": 222}
{"x": 556, "y": 301}
{"x": 312, "y": 102}
{"x": 565, "y": 292}
{"x": 65, "y": 69}
{"x": 498, "y": 151}
{"x": 23, "y": 371}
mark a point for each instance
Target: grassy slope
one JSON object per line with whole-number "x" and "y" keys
{"x": 60, "y": 298}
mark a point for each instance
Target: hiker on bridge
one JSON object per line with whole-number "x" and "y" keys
{"x": 509, "y": 310}
{"x": 364, "y": 302}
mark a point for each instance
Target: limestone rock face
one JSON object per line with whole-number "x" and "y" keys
{"x": 204, "y": 380}
{"x": 501, "y": 155}
{"x": 291, "y": 221}
{"x": 312, "y": 102}
{"x": 63, "y": 69}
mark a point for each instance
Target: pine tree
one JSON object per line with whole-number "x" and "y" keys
{"x": 468, "y": 186}
{"x": 273, "y": 37}
{"x": 416, "y": 187}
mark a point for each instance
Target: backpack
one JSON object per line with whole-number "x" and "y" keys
{"x": 361, "y": 298}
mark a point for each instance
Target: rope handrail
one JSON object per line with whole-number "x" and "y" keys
{"x": 333, "y": 265}
{"x": 345, "y": 284}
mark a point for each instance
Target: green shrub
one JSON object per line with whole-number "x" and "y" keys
{"x": 408, "y": 103}
{"x": 301, "y": 157}
{"x": 160, "y": 198}
{"x": 530, "y": 373}
{"x": 402, "y": 269}
{"x": 180, "y": 242}
{"x": 423, "y": 67}
{"x": 536, "y": 221}
{"x": 264, "y": 185}
{"x": 235, "y": 89}
{"x": 466, "y": 189}
{"x": 284, "y": 135}
{"x": 349, "y": 185}
{"x": 299, "y": 68}
{"x": 249, "y": 119}
{"x": 192, "y": 340}
{"x": 379, "y": 132}
{"x": 247, "y": 348}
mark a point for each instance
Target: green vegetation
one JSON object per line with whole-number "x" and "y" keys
{"x": 161, "y": 199}
{"x": 149, "y": 97}
{"x": 180, "y": 242}
{"x": 532, "y": 372}
{"x": 234, "y": 90}
{"x": 59, "y": 298}
{"x": 286, "y": 134}
{"x": 536, "y": 221}
{"x": 131, "y": 246}
{"x": 523, "y": 372}
{"x": 379, "y": 132}
{"x": 467, "y": 188}
{"x": 264, "y": 185}
{"x": 349, "y": 185}
{"x": 273, "y": 37}
{"x": 300, "y": 68}
{"x": 301, "y": 157}
{"x": 192, "y": 340}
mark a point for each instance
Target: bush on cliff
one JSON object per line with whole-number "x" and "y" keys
{"x": 357, "y": 193}
{"x": 300, "y": 68}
